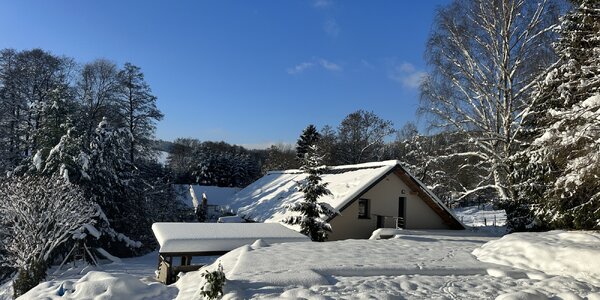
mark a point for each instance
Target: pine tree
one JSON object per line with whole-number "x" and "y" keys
{"x": 312, "y": 212}
{"x": 310, "y": 136}
{"x": 561, "y": 164}
{"x": 139, "y": 111}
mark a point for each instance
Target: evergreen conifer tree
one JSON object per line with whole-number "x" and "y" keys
{"x": 559, "y": 167}
{"x": 311, "y": 211}
{"x": 310, "y": 136}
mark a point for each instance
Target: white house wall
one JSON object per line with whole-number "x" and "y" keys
{"x": 384, "y": 200}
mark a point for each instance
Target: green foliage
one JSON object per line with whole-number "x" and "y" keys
{"x": 215, "y": 281}
{"x": 29, "y": 277}
{"x": 310, "y": 210}
{"x": 557, "y": 169}
{"x": 310, "y": 136}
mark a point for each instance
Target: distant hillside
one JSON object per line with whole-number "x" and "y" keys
{"x": 164, "y": 146}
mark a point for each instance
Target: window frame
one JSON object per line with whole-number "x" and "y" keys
{"x": 367, "y": 210}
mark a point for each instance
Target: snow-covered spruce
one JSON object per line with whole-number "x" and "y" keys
{"x": 559, "y": 168}
{"x": 311, "y": 211}
{"x": 310, "y": 136}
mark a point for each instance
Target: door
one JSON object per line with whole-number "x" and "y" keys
{"x": 380, "y": 221}
{"x": 401, "y": 222}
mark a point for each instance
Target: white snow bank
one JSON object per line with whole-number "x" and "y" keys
{"x": 566, "y": 253}
{"x": 101, "y": 285}
{"x": 206, "y": 237}
{"x": 108, "y": 255}
{"x": 424, "y": 264}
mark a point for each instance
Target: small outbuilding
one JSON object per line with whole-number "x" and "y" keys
{"x": 186, "y": 240}
{"x": 368, "y": 196}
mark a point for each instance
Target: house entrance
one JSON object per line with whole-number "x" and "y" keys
{"x": 401, "y": 220}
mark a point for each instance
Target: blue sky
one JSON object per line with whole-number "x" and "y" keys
{"x": 246, "y": 72}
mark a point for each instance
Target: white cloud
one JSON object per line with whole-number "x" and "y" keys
{"x": 406, "y": 74}
{"x": 300, "y": 68}
{"x": 329, "y": 65}
{"x": 322, "y": 3}
{"x": 315, "y": 62}
{"x": 331, "y": 27}
{"x": 406, "y": 67}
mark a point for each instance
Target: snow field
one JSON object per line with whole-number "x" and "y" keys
{"x": 412, "y": 265}
{"x": 101, "y": 285}
{"x": 475, "y": 217}
{"x": 575, "y": 253}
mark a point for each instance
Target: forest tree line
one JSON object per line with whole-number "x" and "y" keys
{"x": 76, "y": 148}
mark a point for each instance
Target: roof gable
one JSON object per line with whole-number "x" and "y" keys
{"x": 267, "y": 199}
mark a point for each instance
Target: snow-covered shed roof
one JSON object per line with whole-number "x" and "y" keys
{"x": 267, "y": 199}
{"x": 219, "y": 237}
{"x": 214, "y": 194}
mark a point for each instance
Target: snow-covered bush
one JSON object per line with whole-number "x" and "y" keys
{"x": 215, "y": 281}
{"x": 39, "y": 215}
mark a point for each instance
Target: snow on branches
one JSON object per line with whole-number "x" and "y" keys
{"x": 39, "y": 214}
{"x": 312, "y": 213}
{"x": 485, "y": 56}
{"x": 562, "y": 158}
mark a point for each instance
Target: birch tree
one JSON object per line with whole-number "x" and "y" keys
{"x": 484, "y": 56}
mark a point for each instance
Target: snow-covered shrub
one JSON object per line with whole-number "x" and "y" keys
{"x": 29, "y": 277}
{"x": 39, "y": 215}
{"x": 215, "y": 281}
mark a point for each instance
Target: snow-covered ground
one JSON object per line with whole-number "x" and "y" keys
{"x": 475, "y": 216}
{"x": 216, "y": 195}
{"x": 412, "y": 265}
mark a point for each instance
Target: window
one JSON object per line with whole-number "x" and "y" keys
{"x": 363, "y": 209}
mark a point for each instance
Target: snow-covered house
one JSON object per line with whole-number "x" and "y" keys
{"x": 368, "y": 196}
{"x": 217, "y": 197}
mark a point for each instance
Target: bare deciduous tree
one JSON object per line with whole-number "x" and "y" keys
{"x": 484, "y": 57}
{"x": 40, "y": 214}
{"x": 361, "y": 137}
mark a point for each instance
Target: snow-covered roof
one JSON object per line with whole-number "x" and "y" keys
{"x": 219, "y": 237}
{"x": 214, "y": 194}
{"x": 267, "y": 199}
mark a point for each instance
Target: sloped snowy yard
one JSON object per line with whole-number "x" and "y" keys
{"x": 475, "y": 216}
{"x": 413, "y": 265}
